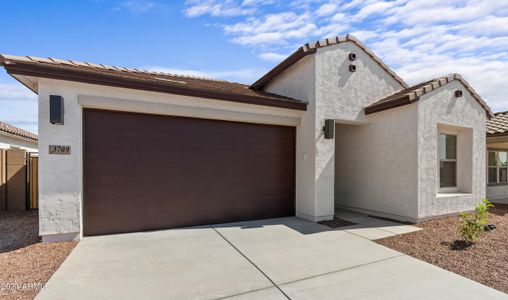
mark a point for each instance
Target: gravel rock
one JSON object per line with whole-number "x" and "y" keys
{"x": 26, "y": 264}
{"x": 336, "y": 223}
{"x": 485, "y": 261}
{"x": 490, "y": 227}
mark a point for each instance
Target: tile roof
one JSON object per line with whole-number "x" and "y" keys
{"x": 498, "y": 124}
{"x": 145, "y": 80}
{"x": 310, "y": 48}
{"x": 413, "y": 94}
{"x": 17, "y": 132}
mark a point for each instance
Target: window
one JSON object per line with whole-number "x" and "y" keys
{"x": 498, "y": 167}
{"x": 447, "y": 160}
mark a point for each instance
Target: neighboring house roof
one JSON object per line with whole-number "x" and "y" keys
{"x": 310, "y": 48}
{"x": 413, "y": 94}
{"x": 17, "y": 132}
{"x": 498, "y": 124}
{"x": 143, "y": 80}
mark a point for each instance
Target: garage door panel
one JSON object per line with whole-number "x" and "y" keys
{"x": 145, "y": 172}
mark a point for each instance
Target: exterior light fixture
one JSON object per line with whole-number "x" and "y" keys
{"x": 56, "y": 110}
{"x": 352, "y": 68}
{"x": 352, "y": 56}
{"x": 458, "y": 93}
{"x": 329, "y": 129}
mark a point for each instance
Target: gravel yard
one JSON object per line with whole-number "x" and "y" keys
{"x": 485, "y": 262}
{"x": 25, "y": 262}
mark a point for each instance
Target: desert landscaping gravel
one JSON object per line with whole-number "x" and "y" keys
{"x": 337, "y": 223}
{"x": 26, "y": 264}
{"x": 486, "y": 261}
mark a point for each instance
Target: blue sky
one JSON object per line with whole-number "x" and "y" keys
{"x": 239, "y": 40}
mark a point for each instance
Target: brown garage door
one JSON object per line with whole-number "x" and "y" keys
{"x": 144, "y": 172}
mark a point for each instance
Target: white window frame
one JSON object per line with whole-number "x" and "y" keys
{"x": 454, "y": 189}
{"x": 497, "y": 167}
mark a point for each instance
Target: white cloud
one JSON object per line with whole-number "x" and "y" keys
{"x": 16, "y": 92}
{"x": 339, "y": 17}
{"x": 259, "y": 38}
{"x": 426, "y": 12}
{"x": 373, "y": 8}
{"x": 271, "y": 29}
{"x": 364, "y": 35}
{"x": 19, "y": 106}
{"x": 330, "y": 30}
{"x": 490, "y": 25}
{"x": 419, "y": 39}
{"x": 326, "y": 9}
{"x": 257, "y": 2}
{"x": 216, "y": 8}
{"x": 271, "y": 56}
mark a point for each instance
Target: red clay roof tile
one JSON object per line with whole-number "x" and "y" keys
{"x": 145, "y": 80}
{"x": 18, "y": 132}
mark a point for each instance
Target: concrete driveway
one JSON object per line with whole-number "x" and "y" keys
{"x": 285, "y": 258}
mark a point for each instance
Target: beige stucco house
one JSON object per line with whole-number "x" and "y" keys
{"x": 148, "y": 150}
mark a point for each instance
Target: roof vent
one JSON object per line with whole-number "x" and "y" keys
{"x": 352, "y": 68}
{"x": 458, "y": 93}
{"x": 352, "y": 56}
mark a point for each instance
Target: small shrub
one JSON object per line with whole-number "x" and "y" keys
{"x": 473, "y": 224}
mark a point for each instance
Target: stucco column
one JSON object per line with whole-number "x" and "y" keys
{"x": 315, "y": 174}
{"x": 324, "y": 174}
{"x": 315, "y": 170}
{"x": 60, "y": 176}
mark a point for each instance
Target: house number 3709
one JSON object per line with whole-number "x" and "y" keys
{"x": 59, "y": 149}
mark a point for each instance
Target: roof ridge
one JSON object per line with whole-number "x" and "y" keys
{"x": 311, "y": 47}
{"x": 500, "y": 112}
{"x": 53, "y": 60}
{"x": 413, "y": 93}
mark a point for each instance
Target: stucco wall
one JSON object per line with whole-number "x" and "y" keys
{"x": 440, "y": 109}
{"x": 389, "y": 166}
{"x": 299, "y": 82}
{"x": 60, "y": 176}
{"x": 376, "y": 164}
{"x": 324, "y": 80}
{"x": 498, "y": 194}
{"x": 342, "y": 95}
{"x": 7, "y": 142}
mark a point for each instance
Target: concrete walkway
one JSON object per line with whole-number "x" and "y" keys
{"x": 285, "y": 258}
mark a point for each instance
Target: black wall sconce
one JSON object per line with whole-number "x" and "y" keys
{"x": 352, "y": 56}
{"x": 352, "y": 68}
{"x": 56, "y": 110}
{"x": 458, "y": 93}
{"x": 329, "y": 129}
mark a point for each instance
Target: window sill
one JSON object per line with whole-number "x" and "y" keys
{"x": 448, "y": 190}
{"x": 497, "y": 184}
{"x": 455, "y": 194}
